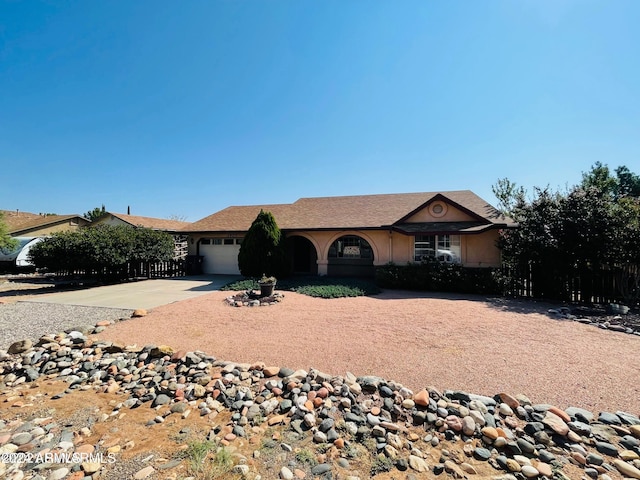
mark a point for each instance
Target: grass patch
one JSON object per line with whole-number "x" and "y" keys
{"x": 207, "y": 461}
{"x": 321, "y": 287}
{"x": 381, "y": 464}
{"x": 223, "y": 460}
{"x": 306, "y": 457}
{"x": 241, "y": 285}
{"x": 196, "y": 453}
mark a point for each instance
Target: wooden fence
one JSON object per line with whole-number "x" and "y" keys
{"x": 619, "y": 285}
{"x": 130, "y": 270}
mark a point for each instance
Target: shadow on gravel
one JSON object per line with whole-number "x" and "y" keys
{"x": 518, "y": 305}
{"x": 503, "y": 304}
{"x": 30, "y": 291}
{"x": 40, "y": 288}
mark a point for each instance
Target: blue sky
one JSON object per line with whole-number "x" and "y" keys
{"x": 184, "y": 108}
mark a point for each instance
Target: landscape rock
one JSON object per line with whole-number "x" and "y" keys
{"x": 503, "y": 432}
{"x": 19, "y": 347}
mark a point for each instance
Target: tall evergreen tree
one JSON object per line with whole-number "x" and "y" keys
{"x": 262, "y": 249}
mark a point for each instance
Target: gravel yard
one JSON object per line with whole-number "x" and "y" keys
{"x": 471, "y": 343}
{"x": 31, "y": 320}
{"x": 22, "y": 317}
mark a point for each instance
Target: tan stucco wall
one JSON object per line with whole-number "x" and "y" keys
{"x": 49, "y": 229}
{"x": 480, "y": 250}
{"x": 477, "y": 250}
{"x": 452, "y": 215}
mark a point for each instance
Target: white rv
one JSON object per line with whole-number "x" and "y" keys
{"x": 19, "y": 256}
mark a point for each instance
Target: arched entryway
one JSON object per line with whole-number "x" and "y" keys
{"x": 303, "y": 256}
{"x": 350, "y": 256}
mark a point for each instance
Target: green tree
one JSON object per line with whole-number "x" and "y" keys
{"x": 95, "y": 214}
{"x": 624, "y": 184}
{"x": 7, "y": 242}
{"x": 262, "y": 249}
{"x": 508, "y": 195}
{"x": 628, "y": 249}
{"x": 588, "y": 227}
{"x": 628, "y": 183}
{"x": 592, "y": 227}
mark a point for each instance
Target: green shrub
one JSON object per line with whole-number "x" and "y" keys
{"x": 330, "y": 291}
{"x": 241, "y": 285}
{"x": 262, "y": 249}
{"x": 438, "y": 277}
{"x": 322, "y": 287}
{"x": 104, "y": 249}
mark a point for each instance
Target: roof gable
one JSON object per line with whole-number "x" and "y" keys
{"x": 423, "y": 212}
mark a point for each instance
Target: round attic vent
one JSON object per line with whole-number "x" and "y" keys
{"x": 438, "y": 209}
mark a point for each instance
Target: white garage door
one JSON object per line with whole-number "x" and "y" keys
{"x": 221, "y": 256}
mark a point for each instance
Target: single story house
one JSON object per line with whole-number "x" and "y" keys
{"x": 350, "y": 235}
{"x": 173, "y": 227}
{"x": 23, "y": 224}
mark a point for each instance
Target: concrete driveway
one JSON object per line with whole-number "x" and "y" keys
{"x": 145, "y": 294}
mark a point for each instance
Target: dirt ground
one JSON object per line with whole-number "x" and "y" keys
{"x": 477, "y": 344}
{"x": 481, "y": 345}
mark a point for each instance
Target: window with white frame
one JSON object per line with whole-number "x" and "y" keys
{"x": 441, "y": 248}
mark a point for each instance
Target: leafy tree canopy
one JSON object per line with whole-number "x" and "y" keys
{"x": 594, "y": 225}
{"x": 624, "y": 184}
{"x": 96, "y": 213}
{"x": 508, "y": 195}
{"x": 7, "y": 242}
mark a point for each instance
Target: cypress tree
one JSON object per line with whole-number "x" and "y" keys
{"x": 262, "y": 249}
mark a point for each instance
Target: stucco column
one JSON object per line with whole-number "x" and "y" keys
{"x": 323, "y": 267}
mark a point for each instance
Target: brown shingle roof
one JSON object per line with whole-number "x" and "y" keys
{"x": 150, "y": 222}
{"x": 358, "y": 211}
{"x": 14, "y": 219}
{"x": 38, "y": 222}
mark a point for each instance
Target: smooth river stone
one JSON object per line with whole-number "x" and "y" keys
{"x": 626, "y": 469}
{"x": 555, "y": 423}
{"x": 468, "y": 426}
{"x": 509, "y": 400}
{"x": 421, "y": 398}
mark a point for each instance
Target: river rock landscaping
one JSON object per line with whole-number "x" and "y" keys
{"x": 202, "y": 417}
{"x": 251, "y": 298}
{"x": 617, "y": 318}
